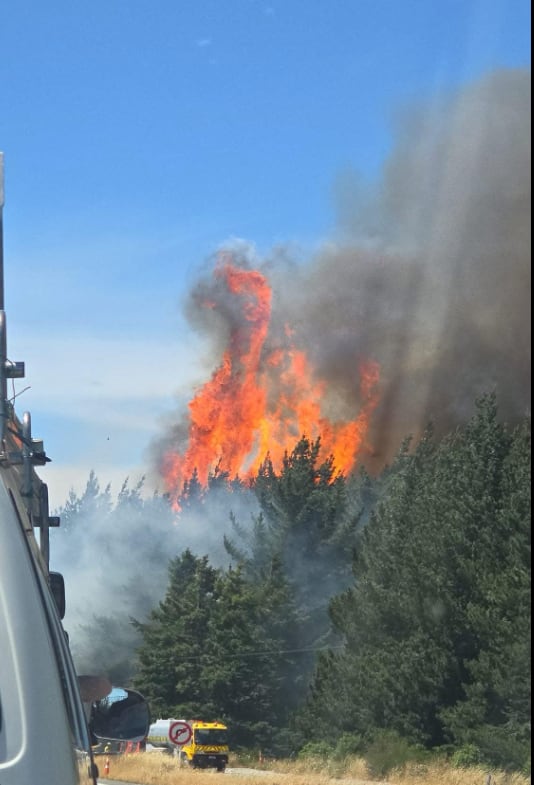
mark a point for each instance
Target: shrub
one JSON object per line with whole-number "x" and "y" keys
{"x": 389, "y": 751}
{"x": 316, "y": 749}
{"x": 466, "y": 755}
{"x": 348, "y": 744}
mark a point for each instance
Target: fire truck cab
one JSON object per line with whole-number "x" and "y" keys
{"x": 208, "y": 745}
{"x": 205, "y": 744}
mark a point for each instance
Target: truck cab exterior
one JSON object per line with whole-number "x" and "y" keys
{"x": 45, "y": 736}
{"x": 208, "y": 746}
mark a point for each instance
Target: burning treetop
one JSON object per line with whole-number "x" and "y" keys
{"x": 263, "y": 396}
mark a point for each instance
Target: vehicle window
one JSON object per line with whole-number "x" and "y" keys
{"x": 214, "y": 737}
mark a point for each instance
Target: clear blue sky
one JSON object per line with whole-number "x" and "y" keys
{"x": 139, "y": 135}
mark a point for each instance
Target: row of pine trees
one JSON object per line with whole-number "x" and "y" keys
{"x": 350, "y": 607}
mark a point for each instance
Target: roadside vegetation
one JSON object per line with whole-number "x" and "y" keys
{"x": 150, "y": 769}
{"x": 384, "y": 619}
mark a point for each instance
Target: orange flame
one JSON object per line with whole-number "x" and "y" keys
{"x": 261, "y": 401}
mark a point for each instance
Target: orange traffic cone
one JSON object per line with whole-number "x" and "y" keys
{"x": 106, "y": 766}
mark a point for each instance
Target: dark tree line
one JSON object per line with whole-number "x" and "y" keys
{"x": 266, "y": 615}
{"x": 355, "y": 606}
{"x": 437, "y": 622}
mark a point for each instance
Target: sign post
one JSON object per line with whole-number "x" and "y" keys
{"x": 180, "y": 733}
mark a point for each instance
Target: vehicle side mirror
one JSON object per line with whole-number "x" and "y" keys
{"x": 57, "y": 587}
{"x": 121, "y": 715}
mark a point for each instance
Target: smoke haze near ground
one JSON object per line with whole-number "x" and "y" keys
{"x": 429, "y": 274}
{"x": 114, "y": 556}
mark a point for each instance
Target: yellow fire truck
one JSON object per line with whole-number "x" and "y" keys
{"x": 201, "y": 744}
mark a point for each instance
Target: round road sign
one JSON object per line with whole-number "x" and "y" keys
{"x": 180, "y": 732}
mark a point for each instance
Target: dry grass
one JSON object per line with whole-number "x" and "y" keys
{"x": 444, "y": 774}
{"x": 354, "y": 770}
{"x": 154, "y": 769}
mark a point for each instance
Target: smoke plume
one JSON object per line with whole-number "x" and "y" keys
{"x": 429, "y": 276}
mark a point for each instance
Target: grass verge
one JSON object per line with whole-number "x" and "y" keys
{"x": 156, "y": 769}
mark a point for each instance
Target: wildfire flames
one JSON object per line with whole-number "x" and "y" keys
{"x": 261, "y": 398}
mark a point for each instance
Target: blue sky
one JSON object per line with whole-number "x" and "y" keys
{"x": 139, "y": 136}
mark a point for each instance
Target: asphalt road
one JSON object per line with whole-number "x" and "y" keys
{"x": 229, "y": 770}
{"x": 256, "y": 772}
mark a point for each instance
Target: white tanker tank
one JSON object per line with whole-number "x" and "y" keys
{"x": 158, "y": 734}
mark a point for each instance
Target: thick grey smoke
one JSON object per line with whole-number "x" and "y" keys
{"x": 443, "y": 299}
{"x": 431, "y": 276}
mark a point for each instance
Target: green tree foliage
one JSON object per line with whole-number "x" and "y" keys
{"x": 308, "y": 525}
{"x": 495, "y": 714}
{"x": 436, "y": 623}
{"x": 174, "y": 641}
{"x": 305, "y": 532}
{"x": 247, "y": 665}
{"x": 417, "y": 584}
{"x": 213, "y": 649}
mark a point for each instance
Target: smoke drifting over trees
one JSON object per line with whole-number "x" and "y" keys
{"x": 429, "y": 276}
{"x": 114, "y": 555}
{"x": 443, "y": 300}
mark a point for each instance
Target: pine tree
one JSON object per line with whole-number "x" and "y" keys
{"x": 79, "y": 511}
{"x": 174, "y": 644}
{"x": 436, "y": 623}
{"x": 495, "y": 712}
{"x": 217, "y": 647}
{"x": 241, "y": 661}
{"x": 304, "y": 534}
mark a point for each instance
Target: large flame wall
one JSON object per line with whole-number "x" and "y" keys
{"x": 261, "y": 398}
{"x": 420, "y": 304}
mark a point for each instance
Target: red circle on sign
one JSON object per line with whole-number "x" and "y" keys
{"x": 180, "y": 732}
